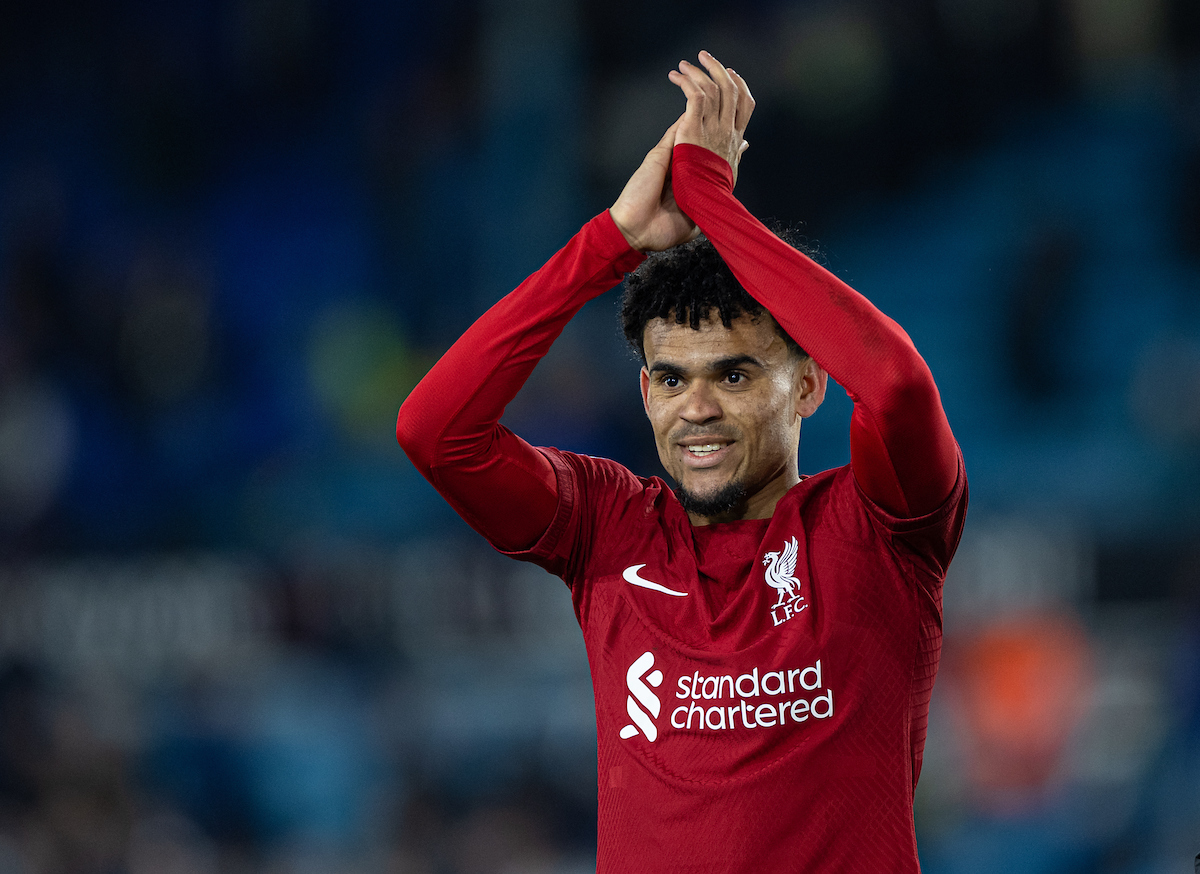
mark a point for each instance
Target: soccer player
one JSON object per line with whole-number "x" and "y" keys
{"x": 762, "y": 645}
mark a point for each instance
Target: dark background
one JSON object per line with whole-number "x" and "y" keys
{"x": 239, "y": 633}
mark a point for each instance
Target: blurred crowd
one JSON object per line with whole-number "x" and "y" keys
{"x": 239, "y": 633}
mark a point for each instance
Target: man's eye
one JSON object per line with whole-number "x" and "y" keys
{"x": 670, "y": 381}
{"x": 734, "y": 377}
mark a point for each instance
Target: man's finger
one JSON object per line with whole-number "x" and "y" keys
{"x": 727, "y": 87}
{"x": 707, "y": 94}
{"x": 745, "y": 102}
{"x": 668, "y": 139}
{"x": 694, "y": 96}
{"x": 660, "y": 155}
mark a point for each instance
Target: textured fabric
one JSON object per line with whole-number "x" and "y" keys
{"x": 783, "y": 730}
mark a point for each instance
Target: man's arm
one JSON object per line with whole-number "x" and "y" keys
{"x": 903, "y": 453}
{"x": 450, "y": 424}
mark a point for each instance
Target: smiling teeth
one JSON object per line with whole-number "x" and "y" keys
{"x": 706, "y": 448}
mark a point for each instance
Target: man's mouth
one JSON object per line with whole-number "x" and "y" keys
{"x": 702, "y": 449}
{"x": 712, "y": 452}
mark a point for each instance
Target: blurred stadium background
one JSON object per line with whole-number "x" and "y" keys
{"x": 238, "y": 633}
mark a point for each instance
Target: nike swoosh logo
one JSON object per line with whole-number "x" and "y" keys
{"x": 631, "y": 576}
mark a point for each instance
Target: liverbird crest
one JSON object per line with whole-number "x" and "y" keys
{"x": 781, "y": 571}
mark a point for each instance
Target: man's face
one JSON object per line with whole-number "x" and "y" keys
{"x": 725, "y": 405}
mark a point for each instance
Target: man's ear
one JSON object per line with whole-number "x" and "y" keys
{"x": 645, "y": 380}
{"x": 811, "y": 381}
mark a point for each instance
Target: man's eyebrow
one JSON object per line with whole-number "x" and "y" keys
{"x": 733, "y": 362}
{"x": 664, "y": 367}
{"x": 720, "y": 365}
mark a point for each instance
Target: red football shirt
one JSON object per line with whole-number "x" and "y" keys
{"x": 762, "y": 686}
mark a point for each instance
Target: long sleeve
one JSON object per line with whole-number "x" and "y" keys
{"x": 449, "y": 424}
{"x": 902, "y": 451}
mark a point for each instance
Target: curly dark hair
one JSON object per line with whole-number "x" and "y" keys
{"x": 688, "y": 282}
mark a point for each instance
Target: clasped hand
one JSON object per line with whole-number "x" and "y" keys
{"x": 719, "y": 105}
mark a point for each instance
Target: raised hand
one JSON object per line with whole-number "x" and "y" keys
{"x": 719, "y": 105}
{"x": 646, "y": 212}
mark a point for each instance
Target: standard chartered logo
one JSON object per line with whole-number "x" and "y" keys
{"x": 725, "y": 702}
{"x": 640, "y": 694}
{"x": 752, "y": 700}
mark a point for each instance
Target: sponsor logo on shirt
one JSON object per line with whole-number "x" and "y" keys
{"x": 640, "y": 694}
{"x": 723, "y": 702}
{"x": 781, "y": 576}
{"x": 787, "y": 694}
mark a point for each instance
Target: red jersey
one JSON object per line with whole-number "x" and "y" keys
{"x": 762, "y": 686}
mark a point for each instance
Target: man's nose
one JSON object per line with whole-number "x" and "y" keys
{"x": 701, "y": 403}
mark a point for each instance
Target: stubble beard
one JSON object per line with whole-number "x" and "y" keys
{"x": 729, "y": 500}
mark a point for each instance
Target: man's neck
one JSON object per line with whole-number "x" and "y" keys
{"x": 760, "y": 505}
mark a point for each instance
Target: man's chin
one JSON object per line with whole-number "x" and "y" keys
{"x": 727, "y": 500}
